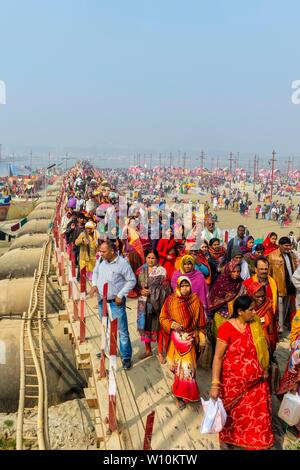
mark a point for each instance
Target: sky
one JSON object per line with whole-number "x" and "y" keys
{"x": 113, "y": 79}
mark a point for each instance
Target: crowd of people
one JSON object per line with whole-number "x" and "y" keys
{"x": 194, "y": 292}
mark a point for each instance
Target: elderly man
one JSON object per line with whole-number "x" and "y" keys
{"x": 116, "y": 271}
{"x": 211, "y": 231}
{"x": 282, "y": 266}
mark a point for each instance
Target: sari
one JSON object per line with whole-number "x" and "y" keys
{"x": 222, "y": 295}
{"x": 201, "y": 264}
{"x": 245, "y": 249}
{"x": 167, "y": 247}
{"x": 269, "y": 247}
{"x": 217, "y": 260}
{"x": 197, "y": 279}
{"x": 245, "y": 394}
{"x": 267, "y": 317}
{"x": 291, "y": 377}
{"x": 182, "y": 353}
{"x": 148, "y": 308}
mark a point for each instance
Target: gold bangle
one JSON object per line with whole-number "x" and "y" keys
{"x": 216, "y": 382}
{"x": 215, "y": 386}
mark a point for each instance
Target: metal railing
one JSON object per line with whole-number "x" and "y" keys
{"x": 33, "y": 382}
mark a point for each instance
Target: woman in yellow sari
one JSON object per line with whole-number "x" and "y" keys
{"x": 182, "y": 317}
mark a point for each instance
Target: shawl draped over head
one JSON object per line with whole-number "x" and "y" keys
{"x": 225, "y": 288}
{"x": 185, "y": 310}
{"x": 184, "y": 260}
{"x": 245, "y": 249}
{"x": 196, "y": 279}
{"x": 269, "y": 247}
{"x": 216, "y": 254}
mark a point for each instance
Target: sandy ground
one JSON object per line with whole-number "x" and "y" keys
{"x": 258, "y": 228}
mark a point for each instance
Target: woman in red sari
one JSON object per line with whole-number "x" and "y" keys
{"x": 182, "y": 317}
{"x": 239, "y": 377}
{"x": 270, "y": 243}
{"x": 167, "y": 250}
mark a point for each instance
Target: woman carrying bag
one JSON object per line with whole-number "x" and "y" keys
{"x": 239, "y": 378}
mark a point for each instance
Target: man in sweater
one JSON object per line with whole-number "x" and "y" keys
{"x": 237, "y": 241}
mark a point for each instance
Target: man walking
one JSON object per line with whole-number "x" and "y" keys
{"x": 237, "y": 241}
{"x": 282, "y": 266}
{"x": 117, "y": 273}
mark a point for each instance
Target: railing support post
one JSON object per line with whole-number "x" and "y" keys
{"x": 82, "y": 303}
{"x": 112, "y": 386}
{"x": 102, "y": 372}
{"x": 149, "y": 431}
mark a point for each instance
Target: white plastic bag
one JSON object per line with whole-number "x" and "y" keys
{"x": 214, "y": 416}
{"x": 289, "y": 410}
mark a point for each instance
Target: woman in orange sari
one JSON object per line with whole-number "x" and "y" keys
{"x": 265, "y": 312}
{"x": 182, "y": 317}
{"x": 239, "y": 378}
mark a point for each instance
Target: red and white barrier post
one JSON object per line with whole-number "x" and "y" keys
{"x": 149, "y": 431}
{"x": 62, "y": 260}
{"x": 112, "y": 386}
{"x": 102, "y": 372}
{"x": 82, "y": 303}
{"x": 226, "y": 236}
{"x": 75, "y": 295}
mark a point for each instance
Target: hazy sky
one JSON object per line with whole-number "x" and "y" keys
{"x": 118, "y": 77}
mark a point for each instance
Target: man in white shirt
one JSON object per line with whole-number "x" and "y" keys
{"x": 115, "y": 270}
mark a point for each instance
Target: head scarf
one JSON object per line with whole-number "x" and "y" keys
{"x": 179, "y": 281}
{"x": 216, "y": 254}
{"x": 90, "y": 224}
{"x": 269, "y": 247}
{"x": 244, "y": 248}
{"x": 184, "y": 259}
{"x": 225, "y": 288}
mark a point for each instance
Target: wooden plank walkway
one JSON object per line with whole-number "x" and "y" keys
{"x": 144, "y": 388}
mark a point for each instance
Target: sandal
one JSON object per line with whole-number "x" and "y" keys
{"x": 161, "y": 358}
{"x": 180, "y": 404}
{"x": 146, "y": 354}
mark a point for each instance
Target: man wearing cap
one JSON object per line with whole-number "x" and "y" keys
{"x": 282, "y": 266}
{"x": 88, "y": 243}
{"x": 237, "y": 255}
{"x": 115, "y": 270}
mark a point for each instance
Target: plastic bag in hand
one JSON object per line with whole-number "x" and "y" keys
{"x": 214, "y": 416}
